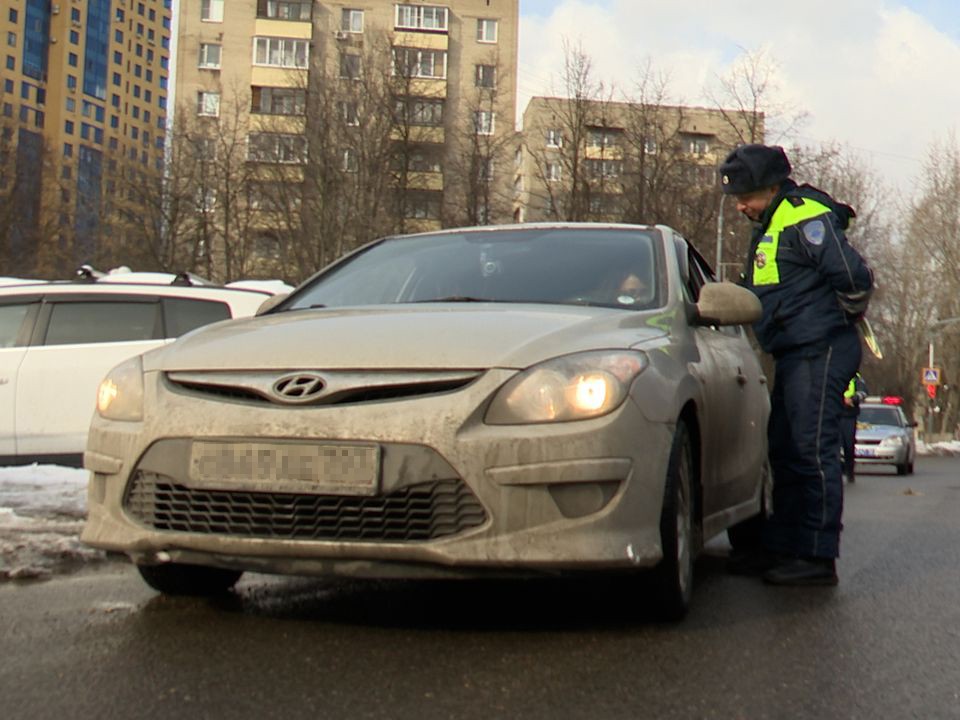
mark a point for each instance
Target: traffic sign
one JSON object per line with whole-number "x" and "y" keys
{"x": 931, "y": 376}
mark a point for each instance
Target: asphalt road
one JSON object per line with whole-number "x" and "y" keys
{"x": 884, "y": 644}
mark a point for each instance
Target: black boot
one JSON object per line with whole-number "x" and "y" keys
{"x": 803, "y": 571}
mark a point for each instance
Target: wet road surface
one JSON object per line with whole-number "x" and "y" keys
{"x": 884, "y": 644}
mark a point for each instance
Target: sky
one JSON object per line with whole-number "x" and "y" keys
{"x": 880, "y": 77}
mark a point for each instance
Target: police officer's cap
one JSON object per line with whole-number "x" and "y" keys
{"x": 753, "y": 167}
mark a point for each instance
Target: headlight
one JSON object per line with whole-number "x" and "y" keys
{"x": 120, "y": 396}
{"x": 573, "y": 387}
{"x": 892, "y": 441}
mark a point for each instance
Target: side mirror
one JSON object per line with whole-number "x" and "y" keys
{"x": 271, "y": 302}
{"x": 724, "y": 303}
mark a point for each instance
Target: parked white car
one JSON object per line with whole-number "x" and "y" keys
{"x": 59, "y": 339}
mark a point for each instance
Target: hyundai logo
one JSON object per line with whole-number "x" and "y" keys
{"x": 298, "y": 388}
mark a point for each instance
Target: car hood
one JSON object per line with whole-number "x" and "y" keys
{"x": 878, "y": 432}
{"x": 403, "y": 336}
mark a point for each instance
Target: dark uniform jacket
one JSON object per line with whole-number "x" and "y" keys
{"x": 804, "y": 271}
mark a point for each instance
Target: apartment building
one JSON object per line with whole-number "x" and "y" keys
{"x": 421, "y": 94}
{"x": 612, "y": 161}
{"x": 83, "y": 104}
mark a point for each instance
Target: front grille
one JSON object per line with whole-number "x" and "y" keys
{"x": 416, "y": 513}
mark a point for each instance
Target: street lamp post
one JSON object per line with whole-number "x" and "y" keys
{"x": 719, "y": 264}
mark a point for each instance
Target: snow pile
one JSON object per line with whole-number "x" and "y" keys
{"x": 42, "y": 508}
{"x": 948, "y": 448}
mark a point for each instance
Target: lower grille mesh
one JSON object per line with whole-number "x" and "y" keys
{"x": 415, "y": 513}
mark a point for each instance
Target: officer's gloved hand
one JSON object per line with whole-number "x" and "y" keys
{"x": 855, "y": 303}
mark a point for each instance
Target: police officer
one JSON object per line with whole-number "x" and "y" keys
{"x": 813, "y": 287}
{"x": 852, "y": 397}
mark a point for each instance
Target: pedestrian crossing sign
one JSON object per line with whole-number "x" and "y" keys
{"x": 931, "y": 376}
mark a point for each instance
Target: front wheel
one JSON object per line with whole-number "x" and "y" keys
{"x": 192, "y": 580}
{"x": 673, "y": 577}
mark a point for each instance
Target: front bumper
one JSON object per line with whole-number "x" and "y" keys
{"x": 876, "y": 454}
{"x": 539, "y": 498}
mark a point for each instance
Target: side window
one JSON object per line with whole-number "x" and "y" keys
{"x": 182, "y": 316}
{"x": 100, "y": 322}
{"x": 11, "y": 322}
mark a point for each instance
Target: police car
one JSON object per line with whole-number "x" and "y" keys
{"x": 884, "y": 435}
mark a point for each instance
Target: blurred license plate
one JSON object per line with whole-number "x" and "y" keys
{"x": 866, "y": 452}
{"x": 332, "y": 468}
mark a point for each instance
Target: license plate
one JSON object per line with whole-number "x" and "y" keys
{"x": 315, "y": 468}
{"x": 865, "y": 452}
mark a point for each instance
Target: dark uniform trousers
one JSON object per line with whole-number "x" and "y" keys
{"x": 804, "y": 438}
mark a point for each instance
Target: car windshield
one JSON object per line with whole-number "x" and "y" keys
{"x": 879, "y": 415}
{"x": 611, "y": 267}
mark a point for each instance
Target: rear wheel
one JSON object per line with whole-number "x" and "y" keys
{"x": 673, "y": 577}
{"x": 195, "y": 580}
{"x": 902, "y": 469}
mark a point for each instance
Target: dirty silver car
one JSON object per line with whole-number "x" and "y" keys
{"x": 532, "y": 399}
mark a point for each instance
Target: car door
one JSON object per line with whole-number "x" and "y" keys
{"x": 735, "y": 398}
{"x": 78, "y": 339}
{"x": 17, "y": 315}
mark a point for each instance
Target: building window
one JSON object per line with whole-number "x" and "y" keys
{"x": 423, "y": 206}
{"x": 209, "y": 56}
{"x": 11, "y": 63}
{"x": 420, "y": 111}
{"x": 75, "y": 37}
{"x": 698, "y": 145}
{"x": 421, "y": 17}
{"x": 75, "y": 15}
{"x": 67, "y": 150}
{"x": 420, "y": 63}
{"x": 604, "y": 168}
{"x": 554, "y": 172}
{"x": 484, "y": 122}
{"x": 12, "y": 15}
{"x": 486, "y": 30}
{"x": 71, "y": 82}
{"x": 650, "y": 146}
{"x": 277, "y": 148}
{"x": 351, "y": 20}
{"x": 12, "y": 39}
{"x": 554, "y": 138}
{"x": 68, "y": 127}
{"x": 71, "y": 104}
{"x": 278, "y": 101}
{"x": 208, "y": 104}
{"x": 211, "y": 10}
{"x": 604, "y": 137}
{"x": 349, "y": 66}
{"x": 349, "y": 160}
{"x": 486, "y": 76}
{"x": 486, "y": 170}
{"x": 283, "y": 9}
{"x": 72, "y": 59}
{"x": 280, "y": 52}
{"x": 349, "y": 113}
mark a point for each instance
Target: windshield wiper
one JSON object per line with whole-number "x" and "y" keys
{"x": 455, "y": 298}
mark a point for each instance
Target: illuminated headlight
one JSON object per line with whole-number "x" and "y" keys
{"x": 892, "y": 441}
{"x": 120, "y": 396}
{"x": 573, "y": 387}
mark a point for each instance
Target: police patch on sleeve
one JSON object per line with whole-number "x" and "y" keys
{"x": 815, "y": 231}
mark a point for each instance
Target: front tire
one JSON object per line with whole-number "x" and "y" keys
{"x": 189, "y": 580}
{"x": 673, "y": 576}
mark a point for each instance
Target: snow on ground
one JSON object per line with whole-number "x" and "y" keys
{"x": 42, "y": 509}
